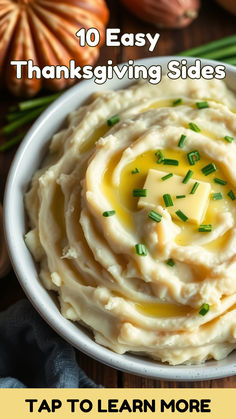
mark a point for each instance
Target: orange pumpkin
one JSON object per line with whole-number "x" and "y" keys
{"x": 44, "y": 31}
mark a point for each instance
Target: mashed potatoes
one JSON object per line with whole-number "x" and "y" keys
{"x": 133, "y": 219}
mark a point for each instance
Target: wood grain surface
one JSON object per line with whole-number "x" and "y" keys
{"x": 213, "y": 23}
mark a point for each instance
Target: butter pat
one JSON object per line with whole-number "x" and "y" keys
{"x": 194, "y": 206}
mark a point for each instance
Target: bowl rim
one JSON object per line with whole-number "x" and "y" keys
{"x": 126, "y": 362}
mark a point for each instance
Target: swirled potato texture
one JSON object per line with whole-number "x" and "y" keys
{"x": 132, "y": 219}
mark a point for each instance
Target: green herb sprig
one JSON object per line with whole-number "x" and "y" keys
{"x": 154, "y": 216}
{"x": 21, "y": 115}
{"x": 223, "y": 49}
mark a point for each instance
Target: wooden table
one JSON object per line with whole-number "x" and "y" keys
{"x": 213, "y": 23}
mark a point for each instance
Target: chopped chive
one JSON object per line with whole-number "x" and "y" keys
{"x": 170, "y": 262}
{"x": 188, "y": 176}
{"x": 155, "y": 216}
{"x": 140, "y": 192}
{"x": 171, "y": 162}
{"x": 230, "y": 60}
{"x": 193, "y": 157}
{"x": 180, "y": 196}
{"x": 177, "y": 102}
{"x": 204, "y": 309}
{"x": 231, "y": 195}
{"x": 182, "y": 140}
{"x": 229, "y": 139}
{"x": 205, "y": 228}
{"x": 220, "y": 181}
{"x": 159, "y": 156}
{"x": 210, "y": 168}
{"x": 194, "y": 188}
{"x": 167, "y": 176}
{"x": 216, "y": 196}
{"x": 181, "y": 215}
{"x": 113, "y": 120}
{"x": 194, "y": 127}
{"x": 168, "y": 201}
{"x": 141, "y": 249}
{"x": 136, "y": 170}
{"x": 202, "y": 105}
{"x": 108, "y": 213}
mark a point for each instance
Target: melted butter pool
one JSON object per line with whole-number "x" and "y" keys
{"x": 125, "y": 204}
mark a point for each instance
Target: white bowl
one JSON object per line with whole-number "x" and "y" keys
{"x": 28, "y": 158}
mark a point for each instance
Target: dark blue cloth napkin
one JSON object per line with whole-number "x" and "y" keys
{"x": 33, "y": 355}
